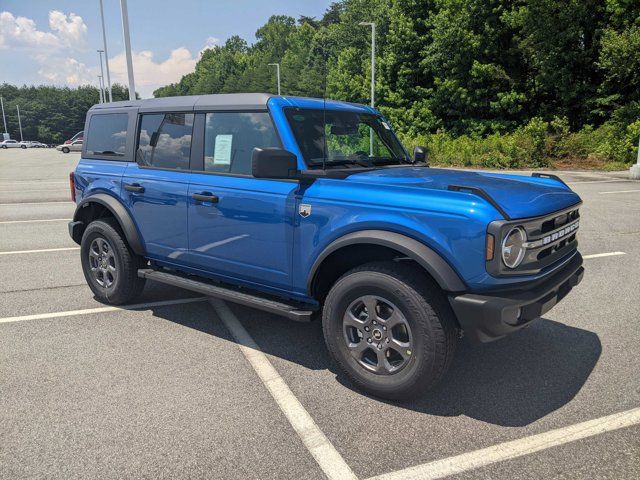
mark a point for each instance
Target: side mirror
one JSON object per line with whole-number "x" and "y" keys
{"x": 420, "y": 155}
{"x": 273, "y": 163}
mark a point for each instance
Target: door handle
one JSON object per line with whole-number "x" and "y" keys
{"x": 205, "y": 197}
{"x": 133, "y": 187}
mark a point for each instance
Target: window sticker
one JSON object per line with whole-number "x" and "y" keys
{"x": 222, "y": 152}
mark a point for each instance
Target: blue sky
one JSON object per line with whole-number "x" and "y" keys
{"x": 55, "y": 41}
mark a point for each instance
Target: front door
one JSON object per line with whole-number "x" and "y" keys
{"x": 240, "y": 227}
{"x": 155, "y": 188}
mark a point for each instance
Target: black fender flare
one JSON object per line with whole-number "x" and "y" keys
{"x": 121, "y": 215}
{"x": 430, "y": 260}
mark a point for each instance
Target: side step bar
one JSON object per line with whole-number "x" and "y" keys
{"x": 224, "y": 293}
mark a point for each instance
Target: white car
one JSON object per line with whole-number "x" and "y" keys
{"x": 75, "y": 146}
{"x": 33, "y": 144}
{"x": 11, "y": 144}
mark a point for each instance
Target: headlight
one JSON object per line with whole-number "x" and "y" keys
{"x": 513, "y": 249}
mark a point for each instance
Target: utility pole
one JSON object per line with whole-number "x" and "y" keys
{"x": 127, "y": 48}
{"x": 106, "y": 54}
{"x": 373, "y": 75}
{"x": 4, "y": 119}
{"x": 102, "y": 89}
{"x": 19, "y": 123}
{"x": 277, "y": 65}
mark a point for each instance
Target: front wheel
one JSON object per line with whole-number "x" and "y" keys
{"x": 23, "y": 146}
{"x": 65, "y": 150}
{"x": 389, "y": 329}
{"x": 4, "y": 146}
{"x": 108, "y": 264}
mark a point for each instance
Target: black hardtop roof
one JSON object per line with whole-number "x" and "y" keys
{"x": 223, "y": 101}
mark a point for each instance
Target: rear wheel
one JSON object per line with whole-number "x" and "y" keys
{"x": 389, "y": 329}
{"x": 109, "y": 265}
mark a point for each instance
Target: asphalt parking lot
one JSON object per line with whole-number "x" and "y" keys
{"x": 177, "y": 386}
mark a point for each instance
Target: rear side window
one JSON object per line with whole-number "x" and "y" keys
{"x": 107, "y": 134}
{"x": 165, "y": 140}
{"x": 230, "y": 138}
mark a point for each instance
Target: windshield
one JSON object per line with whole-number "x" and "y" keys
{"x": 341, "y": 138}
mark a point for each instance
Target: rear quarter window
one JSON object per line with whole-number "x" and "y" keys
{"x": 107, "y": 135}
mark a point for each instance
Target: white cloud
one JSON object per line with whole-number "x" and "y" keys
{"x": 150, "y": 74}
{"x": 210, "y": 43}
{"x": 68, "y": 71}
{"x": 67, "y": 31}
{"x": 71, "y": 30}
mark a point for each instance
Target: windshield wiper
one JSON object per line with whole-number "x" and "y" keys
{"x": 341, "y": 163}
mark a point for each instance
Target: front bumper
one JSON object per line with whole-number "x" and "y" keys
{"x": 488, "y": 317}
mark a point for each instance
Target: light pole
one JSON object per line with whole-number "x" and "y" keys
{"x": 373, "y": 75}
{"x": 277, "y": 65}
{"x": 4, "y": 119}
{"x": 127, "y": 48}
{"x": 19, "y": 123}
{"x": 102, "y": 89}
{"x": 100, "y": 92}
{"x": 106, "y": 54}
{"x": 634, "y": 171}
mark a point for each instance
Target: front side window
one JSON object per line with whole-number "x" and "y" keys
{"x": 164, "y": 140}
{"x": 230, "y": 138}
{"x": 338, "y": 138}
{"x": 107, "y": 134}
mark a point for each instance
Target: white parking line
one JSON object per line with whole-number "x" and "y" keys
{"x": 618, "y": 191}
{"x": 598, "y": 181}
{"x": 599, "y": 255}
{"x": 325, "y": 454}
{"x": 18, "y": 252}
{"x": 516, "y": 448}
{"x": 35, "y": 221}
{"x": 87, "y": 311}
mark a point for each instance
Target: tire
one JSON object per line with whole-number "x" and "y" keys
{"x": 112, "y": 271}
{"x": 65, "y": 150}
{"x": 23, "y": 146}
{"x": 4, "y": 146}
{"x": 421, "y": 345}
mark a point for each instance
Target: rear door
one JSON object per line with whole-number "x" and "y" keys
{"x": 239, "y": 226}
{"x": 155, "y": 187}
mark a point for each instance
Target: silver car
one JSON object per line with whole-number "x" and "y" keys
{"x": 75, "y": 146}
{"x": 11, "y": 144}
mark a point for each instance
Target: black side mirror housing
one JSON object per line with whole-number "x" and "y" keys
{"x": 274, "y": 163}
{"x": 420, "y": 155}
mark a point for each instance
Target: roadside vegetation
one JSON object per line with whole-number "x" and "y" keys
{"x": 487, "y": 83}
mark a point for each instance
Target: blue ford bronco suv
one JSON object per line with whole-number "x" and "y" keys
{"x": 313, "y": 209}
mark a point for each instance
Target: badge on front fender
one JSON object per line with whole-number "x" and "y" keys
{"x": 304, "y": 210}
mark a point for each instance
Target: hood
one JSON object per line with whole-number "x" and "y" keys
{"x": 518, "y": 195}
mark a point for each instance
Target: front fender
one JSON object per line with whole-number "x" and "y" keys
{"x": 120, "y": 213}
{"x": 430, "y": 260}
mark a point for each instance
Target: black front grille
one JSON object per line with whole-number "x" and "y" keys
{"x": 550, "y": 239}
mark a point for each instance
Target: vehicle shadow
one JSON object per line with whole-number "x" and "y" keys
{"x": 516, "y": 380}
{"x": 511, "y": 382}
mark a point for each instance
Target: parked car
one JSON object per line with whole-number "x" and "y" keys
{"x": 75, "y": 146}
{"x": 77, "y": 136}
{"x": 33, "y": 144}
{"x": 11, "y": 144}
{"x": 313, "y": 209}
